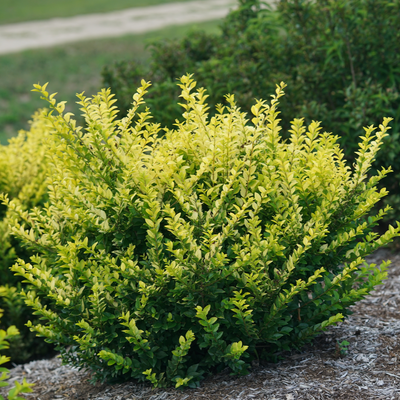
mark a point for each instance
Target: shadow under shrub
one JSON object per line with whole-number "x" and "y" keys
{"x": 169, "y": 257}
{"x": 5, "y": 337}
{"x": 339, "y": 58}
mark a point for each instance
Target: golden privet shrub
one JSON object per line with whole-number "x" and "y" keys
{"x": 23, "y": 173}
{"x": 167, "y": 257}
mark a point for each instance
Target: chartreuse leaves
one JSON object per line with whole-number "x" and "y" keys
{"x": 24, "y": 167}
{"x": 163, "y": 257}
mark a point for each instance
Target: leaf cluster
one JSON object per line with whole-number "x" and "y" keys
{"x": 23, "y": 172}
{"x": 339, "y": 58}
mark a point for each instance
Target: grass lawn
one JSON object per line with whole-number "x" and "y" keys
{"x": 27, "y": 10}
{"x": 69, "y": 69}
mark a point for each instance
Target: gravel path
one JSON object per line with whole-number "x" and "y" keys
{"x": 47, "y": 33}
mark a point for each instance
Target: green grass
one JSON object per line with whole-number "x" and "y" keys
{"x": 27, "y": 10}
{"x": 69, "y": 69}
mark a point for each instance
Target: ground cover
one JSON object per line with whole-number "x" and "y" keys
{"x": 74, "y": 67}
{"x": 25, "y": 10}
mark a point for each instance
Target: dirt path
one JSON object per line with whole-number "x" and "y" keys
{"x": 47, "y": 33}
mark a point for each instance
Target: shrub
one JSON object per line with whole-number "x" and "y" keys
{"x": 18, "y": 388}
{"x": 340, "y": 59}
{"x": 169, "y": 257}
{"x": 23, "y": 172}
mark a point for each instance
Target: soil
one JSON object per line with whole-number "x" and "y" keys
{"x": 368, "y": 368}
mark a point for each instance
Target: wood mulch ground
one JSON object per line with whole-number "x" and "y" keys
{"x": 369, "y": 370}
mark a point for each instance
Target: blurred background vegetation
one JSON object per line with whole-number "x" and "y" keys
{"x": 69, "y": 68}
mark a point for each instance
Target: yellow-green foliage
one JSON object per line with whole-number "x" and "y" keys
{"x": 18, "y": 388}
{"x": 163, "y": 257}
{"x": 23, "y": 171}
{"x": 23, "y": 164}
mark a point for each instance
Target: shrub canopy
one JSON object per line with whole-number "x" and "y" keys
{"x": 166, "y": 257}
{"x": 340, "y": 59}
